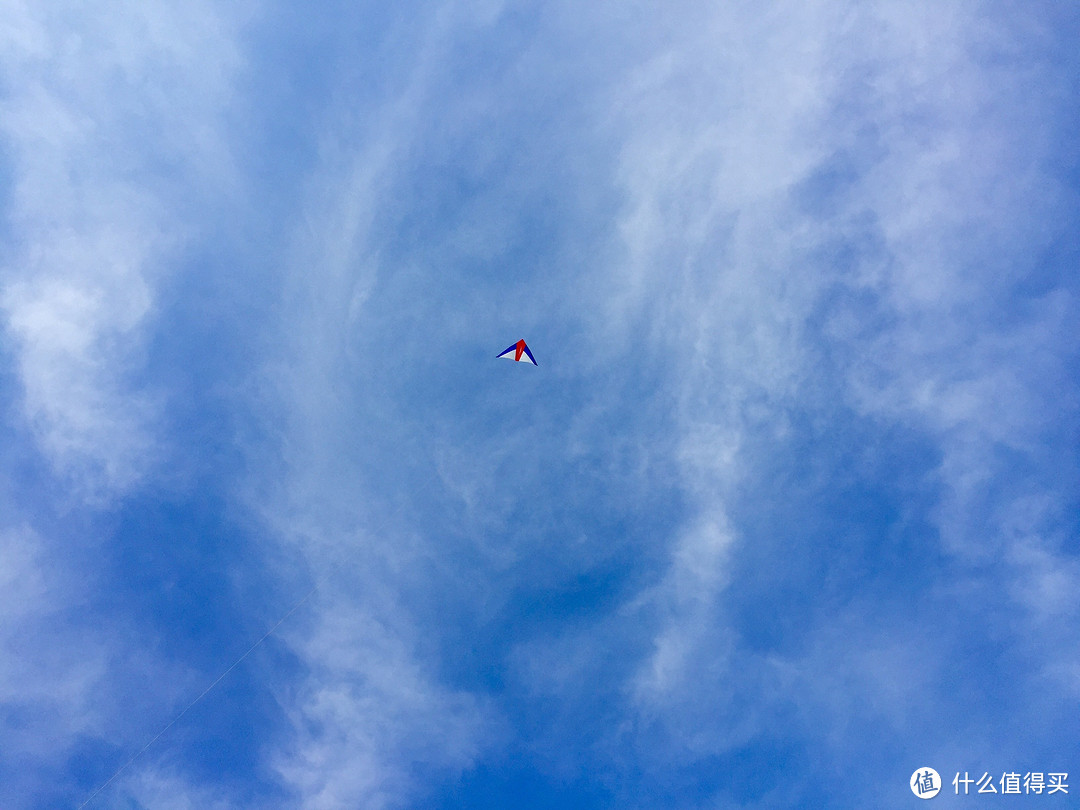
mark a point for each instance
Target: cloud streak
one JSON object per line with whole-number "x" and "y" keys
{"x": 98, "y": 101}
{"x": 788, "y": 490}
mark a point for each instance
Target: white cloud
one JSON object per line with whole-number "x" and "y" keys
{"x": 684, "y": 600}
{"x": 730, "y": 252}
{"x": 111, "y": 130}
{"x": 371, "y": 724}
{"x": 723, "y": 124}
{"x": 372, "y": 721}
{"x": 50, "y": 669}
{"x": 99, "y": 100}
{"x": 941, "y": 198}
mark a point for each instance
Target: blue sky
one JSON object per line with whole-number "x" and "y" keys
{"x": 789, "y": 508}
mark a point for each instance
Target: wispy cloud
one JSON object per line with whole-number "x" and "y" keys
{"x": 864, "y": 172}
{"x": 49, "y": 665}
{"x": 110, "y": 130}
{"x": 369, "y": 719}
{"x": 789, "y": 487}
{"x": 106, "y": 109}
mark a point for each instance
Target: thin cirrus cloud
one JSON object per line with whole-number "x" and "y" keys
{"x": 785, "y": 497}
{"x": 931, "y": 305}
{"x": 101, "y": 114}
{"x": 101, "y": 104}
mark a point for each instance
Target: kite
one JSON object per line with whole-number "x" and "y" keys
{"x": 518, "y": 352}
